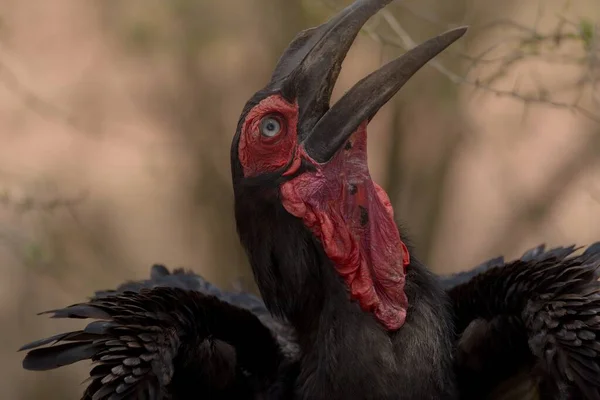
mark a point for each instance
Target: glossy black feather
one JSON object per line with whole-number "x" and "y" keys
{"x": 536, "y": 254}
{"x": 504, "y": 344}
{"x": 160, "y": 276}
{"x": 539, "y": 314}
{"x": 165, "y": 343}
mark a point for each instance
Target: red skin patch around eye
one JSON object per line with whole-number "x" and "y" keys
{"x": 349, "y": 213}
{"x": 259, "y": 154}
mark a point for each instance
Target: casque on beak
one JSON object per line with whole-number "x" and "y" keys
{"x": 310, "y": 66}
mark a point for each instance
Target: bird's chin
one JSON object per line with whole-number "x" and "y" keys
{"x": 353, "y": 218}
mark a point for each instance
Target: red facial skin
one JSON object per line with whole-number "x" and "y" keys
{"x": 259, "y": 154}
{"x": 350, "y": 214}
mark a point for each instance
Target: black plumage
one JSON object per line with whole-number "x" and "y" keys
{"x": 160, "y": 276}
{"x": 493, "y": 352}
{"x": 538, "y": 316}
{"x": 354, "y": 314}
{"x": 162, "y": 342}
{"x": 301, "y": 219}
{"x": 536, "y": 254}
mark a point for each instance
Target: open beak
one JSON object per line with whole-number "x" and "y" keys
{"x": 312, "y": 62}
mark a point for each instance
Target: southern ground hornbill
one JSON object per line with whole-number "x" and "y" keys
{"x": 351, "y": 315}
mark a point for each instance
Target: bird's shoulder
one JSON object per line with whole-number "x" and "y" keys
{"x": 188, "y": 280}
{"x": 539, "y": 314}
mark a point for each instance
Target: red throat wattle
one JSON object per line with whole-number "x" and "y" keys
{"x": 350, "y": 214}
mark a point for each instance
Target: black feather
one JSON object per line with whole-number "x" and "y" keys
{"x": 61, "y": 337}
{"x": 164, "y": 343}
{"x": 541, "y": 313}
{"x": 59, "y": 355}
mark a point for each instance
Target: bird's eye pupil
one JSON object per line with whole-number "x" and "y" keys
{"x": 270, "y": 126}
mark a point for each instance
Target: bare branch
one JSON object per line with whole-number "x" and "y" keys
{"x": 528, "y": 44}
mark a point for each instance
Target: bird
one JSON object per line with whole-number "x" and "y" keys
{"x": 328, "y": 256}
{"x": 346, "y": 309}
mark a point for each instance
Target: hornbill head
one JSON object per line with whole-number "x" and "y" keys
{"x": 299, "y": 167}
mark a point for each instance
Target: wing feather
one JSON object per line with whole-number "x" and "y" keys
{"x": 541, "y": 313}
{"x": 153, "y": 343}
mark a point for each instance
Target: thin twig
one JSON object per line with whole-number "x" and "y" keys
{"x": 407, "y": 43}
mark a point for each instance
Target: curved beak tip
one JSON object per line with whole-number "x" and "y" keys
{"x": 364, "y": 99}
{"x": 309, "y": 68}
{"x": 459, "y": 31}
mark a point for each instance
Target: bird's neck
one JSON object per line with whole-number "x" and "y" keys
{"x": 344, "y": 349}
{"x": 347, "y": 353}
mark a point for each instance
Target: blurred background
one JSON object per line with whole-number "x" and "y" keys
{"x": 116, "y": 120}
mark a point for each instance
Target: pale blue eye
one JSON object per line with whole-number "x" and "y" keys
{"x": 270, "y": 126}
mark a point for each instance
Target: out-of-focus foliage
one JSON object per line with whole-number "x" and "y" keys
{"x": 117, "y": 117}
